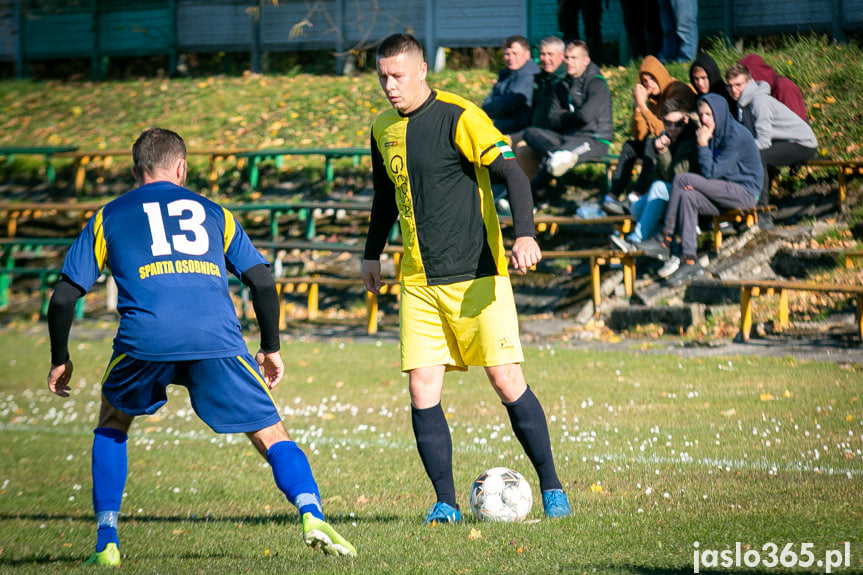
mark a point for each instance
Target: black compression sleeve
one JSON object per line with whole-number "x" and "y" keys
{"x": 61, "y": 312}
{"x": 384, "y": 209}
{"x": 520, "y": 198}
{"x": 265, "y": 300}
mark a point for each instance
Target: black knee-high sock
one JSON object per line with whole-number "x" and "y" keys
{"x": 531, "y": 429}
{"x": 435, "y": 446}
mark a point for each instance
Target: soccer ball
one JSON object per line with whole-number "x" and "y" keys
{"x": 501, "y": 494}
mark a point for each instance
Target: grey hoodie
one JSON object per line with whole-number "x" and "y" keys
{"x": 769, "y": 119}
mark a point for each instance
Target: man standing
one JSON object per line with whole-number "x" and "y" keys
{"x": 783, "y": 137}
{"x": 169, "y": 250}
{"x": 432, "y": 157}
{"x": 509, "y": 103}
{"x": 580, "y": 116}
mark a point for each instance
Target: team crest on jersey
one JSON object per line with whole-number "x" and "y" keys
{"x": 505, "y": 150}
{"x": 390, "y": 144}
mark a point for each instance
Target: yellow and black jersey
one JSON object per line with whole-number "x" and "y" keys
{"x": 431, "y": 170}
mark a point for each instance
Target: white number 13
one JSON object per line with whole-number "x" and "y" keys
{"x": 200, "y": 242}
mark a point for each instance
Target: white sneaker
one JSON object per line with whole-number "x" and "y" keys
{"x": 622, "y": 244}
{"x": 669, "y": 267}
{"x": 561, "y": 162}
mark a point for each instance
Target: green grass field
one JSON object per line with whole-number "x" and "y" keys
{"x": 656, "y": 451}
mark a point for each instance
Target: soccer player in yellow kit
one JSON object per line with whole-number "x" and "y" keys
{"x": 433, "y": 155}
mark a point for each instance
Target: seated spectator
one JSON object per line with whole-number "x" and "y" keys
{"x": 551, "y": 71}
{"x": 705, "y": 77}
{"x": 508, "y": 104}
{"x": 783, "y": 138}
{"x": 580, "y": 118}
{"x": 731, "y": 178}
{"x": 676, "y": 152}
{"x": 781, "y": 87}
{"x": 655, "y": 85}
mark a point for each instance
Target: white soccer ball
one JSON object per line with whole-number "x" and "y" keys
{"x": 501, "y": 494}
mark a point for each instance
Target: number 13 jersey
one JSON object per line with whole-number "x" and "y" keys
{"x": 169, "y": 250}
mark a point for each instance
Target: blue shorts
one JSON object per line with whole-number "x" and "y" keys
{"x": 228, "y": 394}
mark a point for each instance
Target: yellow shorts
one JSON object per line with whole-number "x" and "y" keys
{"x": 466, "y": 323}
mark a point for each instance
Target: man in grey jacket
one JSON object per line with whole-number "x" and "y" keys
{"x": 783, "y": 138}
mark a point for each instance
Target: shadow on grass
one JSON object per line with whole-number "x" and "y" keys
{"x": 279, "y": 518}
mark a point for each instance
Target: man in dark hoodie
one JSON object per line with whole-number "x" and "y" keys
{"x": 509, "y": 103}
{"x": 580, "y": 117}
{"x": 705, "y": 77}
{"x": 731, "y": 178}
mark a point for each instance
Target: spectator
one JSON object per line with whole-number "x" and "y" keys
{"x": 643, "y": 27}
{"x": 731, "y": 178}
{"x": 676, "y": 152}
{"x": 509, "y": 103}
{"x": 654, "y": 86}
{"x": 591, "y": 16}
{"x": 706, "y": 78}
{"x": 580, "y": 117}
{"x": 552, "y": 70}
{"x": 783, "y": 138}
{"x": 781, "y": 87}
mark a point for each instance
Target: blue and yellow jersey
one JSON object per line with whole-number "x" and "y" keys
{"x": 432, "y": 165}
{"x": 169, "y": 250}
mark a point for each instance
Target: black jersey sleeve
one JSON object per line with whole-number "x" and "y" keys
{"x": 384, "y": 208}
{"x": 265, "y": 301}
{"x": 61, "y": 312}
{"x": 520, "y": 198}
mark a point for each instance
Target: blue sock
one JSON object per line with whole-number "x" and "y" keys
{"x": 293, "y": 476}
{"x": 109, "y": 479}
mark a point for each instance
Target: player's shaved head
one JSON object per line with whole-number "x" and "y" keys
{"x": 396, "y": 44}
{"x": 157, "y": 149}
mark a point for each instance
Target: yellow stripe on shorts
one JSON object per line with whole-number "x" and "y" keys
{"x": 258, "y": 377}
{"x": 111, "y": 366}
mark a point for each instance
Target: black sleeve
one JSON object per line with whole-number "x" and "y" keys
{"x": 265, "y": 300}
{"x": 520, "y": 197}
{"x": 61, "y": 312}
{"x": 384, "y": 209}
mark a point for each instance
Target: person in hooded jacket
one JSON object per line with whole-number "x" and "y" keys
{"x": 705, "y": 77}
{"x": 655, "y": 85}
{"x": 781, "y": 87}
{"x": 783, "y": 138}
{"x": 731, "y": 178}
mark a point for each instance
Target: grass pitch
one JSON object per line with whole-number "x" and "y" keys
{"x": 657, "y": 452}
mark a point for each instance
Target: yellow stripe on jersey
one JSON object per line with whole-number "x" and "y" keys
{"x": 230, "y": 228}
{"x": 111, "y": 366}
{"x": 100, "y": 249}
{"x": 257, "y": 375}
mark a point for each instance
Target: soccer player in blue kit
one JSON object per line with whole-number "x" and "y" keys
{"x": 169, "y": 251}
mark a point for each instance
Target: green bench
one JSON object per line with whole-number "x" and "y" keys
{"x": 9, "y": 152}
{"x": 255, "y": 157}
{"x": 308, "y": 212}
{"x": 11, "y": 250}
